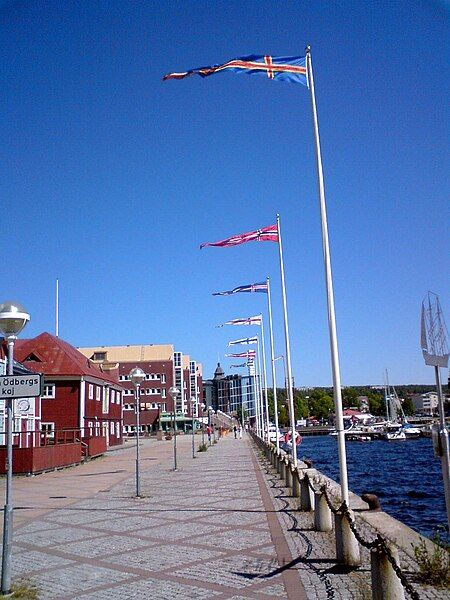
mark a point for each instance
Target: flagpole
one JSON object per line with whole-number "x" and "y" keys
{"x": 330, "y": 294}
{"x": 260, "y": 403}
{"x": 255, "y": 375}
{"x": 272, "y": 356}
{"x": 288, "y": 346}
{"x": 57, "y": 309}
{"x": 266, "y": 400}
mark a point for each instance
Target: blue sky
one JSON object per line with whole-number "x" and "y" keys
{"x": 110, "y": 179}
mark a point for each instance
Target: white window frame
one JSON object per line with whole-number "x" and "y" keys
{"x": 91, "y": 391}
{"x": 50, "y": 431}
{"x": 49, "y": 391}
{"x": 97, "y": 393}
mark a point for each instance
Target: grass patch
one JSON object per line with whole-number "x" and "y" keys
{"x": 24, "y": 590}
{"x": 434, "y": 563}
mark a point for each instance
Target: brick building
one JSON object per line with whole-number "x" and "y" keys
{"x": 77, "y": 394}
{"x": 163, "y": 367}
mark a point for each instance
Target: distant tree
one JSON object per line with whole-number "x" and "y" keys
{"x": 376, "y": 404}
{"x": 350, "y": 398}
{"x": 283, "y": 417}
{"x": 408, "y": 406}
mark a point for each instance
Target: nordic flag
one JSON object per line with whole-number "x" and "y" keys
{"x": 266, "y": 234}
{"x": 256, "y": 320}
{"x": 252, "y": 287}
{"x": 252, "y": 340}
{"x": 248, "y": 354}
{"x": 282, "y": 68}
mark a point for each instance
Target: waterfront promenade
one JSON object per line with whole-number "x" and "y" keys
{"x": 221, "y": 526}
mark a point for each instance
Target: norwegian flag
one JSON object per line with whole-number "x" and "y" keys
{"x": 267, "y": 234}
{"x": 248, "y": 354}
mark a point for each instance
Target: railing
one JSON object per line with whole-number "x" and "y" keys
{"x": 315, "y": 494}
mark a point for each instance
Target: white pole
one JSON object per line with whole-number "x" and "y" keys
{"x": 272, "y": 356}
{"x": 330, "y": 295}
{"x": 288, "y": 347}
{"x": 260, "y": 402}
{"x": 266, "y": 400}
{"x": 57, "y": 309}
{"x": 444, "y": 440}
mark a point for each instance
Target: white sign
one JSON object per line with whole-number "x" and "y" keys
{"x": 20, "y": 386}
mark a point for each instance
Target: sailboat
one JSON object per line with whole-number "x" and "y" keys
{"x": 393, "y": 430}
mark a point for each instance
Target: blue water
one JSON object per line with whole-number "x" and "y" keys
{"x": 405, "y": 476}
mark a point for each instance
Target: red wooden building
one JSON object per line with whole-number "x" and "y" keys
{"x": 78, "y": 395}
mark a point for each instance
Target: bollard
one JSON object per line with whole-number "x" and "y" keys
{"x": 306, "y": 495}
{"x": 385, "y": 583}
{"x": 295, "y": 484}
{"x": 347, "y": 547}
{"x": 288, "y": 476}
{"x": 282, "y": 470}
{"x": 322, "y": 513}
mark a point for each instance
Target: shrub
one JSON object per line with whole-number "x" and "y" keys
{"x": 203, "y": 448}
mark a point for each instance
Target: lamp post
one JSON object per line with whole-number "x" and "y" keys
{"x": 210, "y": 413}
{"x": 193, "y": 404}
{"x": 174, "y": 393}
{"x": 159, "y": 433}
{"x": 203, "y": 406}
{"x": 13, "y": 318}
{"x": 137, "y": 376}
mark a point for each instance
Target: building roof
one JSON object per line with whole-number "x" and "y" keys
{"x": 131, "y": 353}
{"x": 51, "y": 355}
{"x": 219, "y": 373}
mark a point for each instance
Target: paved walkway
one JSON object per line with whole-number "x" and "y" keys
{"x": 221, "y": 526}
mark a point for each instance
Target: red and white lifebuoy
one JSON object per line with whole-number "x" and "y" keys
{"x": 288, "y": 436}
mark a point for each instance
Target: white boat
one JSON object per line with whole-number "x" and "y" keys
{"x": 394, "y": 433}
{"x": 410, "y": 431}
{"x": 274, "y": 433}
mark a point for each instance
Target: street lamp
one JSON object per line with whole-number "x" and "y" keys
{"x": 13, "y": 318}
{"x": 137, "y": 376}
{"x": 174, "y": 393}
{"x": 193, "y": 404}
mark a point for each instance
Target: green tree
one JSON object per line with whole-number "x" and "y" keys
{"x": 408, "y": 406}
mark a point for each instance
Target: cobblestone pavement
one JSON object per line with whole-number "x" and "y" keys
{"x": 220, "y": 526}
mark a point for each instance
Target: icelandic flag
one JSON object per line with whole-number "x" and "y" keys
{"x": 282, "y": 68}
{"x": 252, "y": 287}
{"x": 267, "y": 234}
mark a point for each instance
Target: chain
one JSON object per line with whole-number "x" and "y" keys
{"x": 378, "y": 544}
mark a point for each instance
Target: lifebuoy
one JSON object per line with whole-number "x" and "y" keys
{"x": 288, "y": 436}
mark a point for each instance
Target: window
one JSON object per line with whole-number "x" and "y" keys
{"x": 111, "y": 428}
{"x": 118, "y": 429}
{"x": 163, "y": 378}
{"x": 91, "y": 391}
{"x": 97, "y": 393}
{"x": 48, "y": 429}
{"x": 99, "y": 356}
{"x": 105, "y": 406}
{"x": 163, "y": 393}
{"x": 163, "y": 406}
{"x": 49, "y": 390}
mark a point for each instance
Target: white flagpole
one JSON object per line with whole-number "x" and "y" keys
{"x": 288, "y": 347}
{"x": 260, "y": 402}
{"x": 272, "y": 356}
{"x": 266, "y": 400}
{"x": 57, "y": 309}
{"x": 330, "y": 295}
{"x": 252, "y": 373}
{"x": 255, "y": 368}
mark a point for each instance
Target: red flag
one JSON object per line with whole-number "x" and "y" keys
{"x": 267, "y": 234}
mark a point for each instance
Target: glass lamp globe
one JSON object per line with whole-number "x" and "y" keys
{"x": 13, "y": 318}
{"x": 174, "y": 391}
{"x": 137, "y": 376}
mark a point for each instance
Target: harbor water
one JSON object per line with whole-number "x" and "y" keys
{"x": 406, "y": 476}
